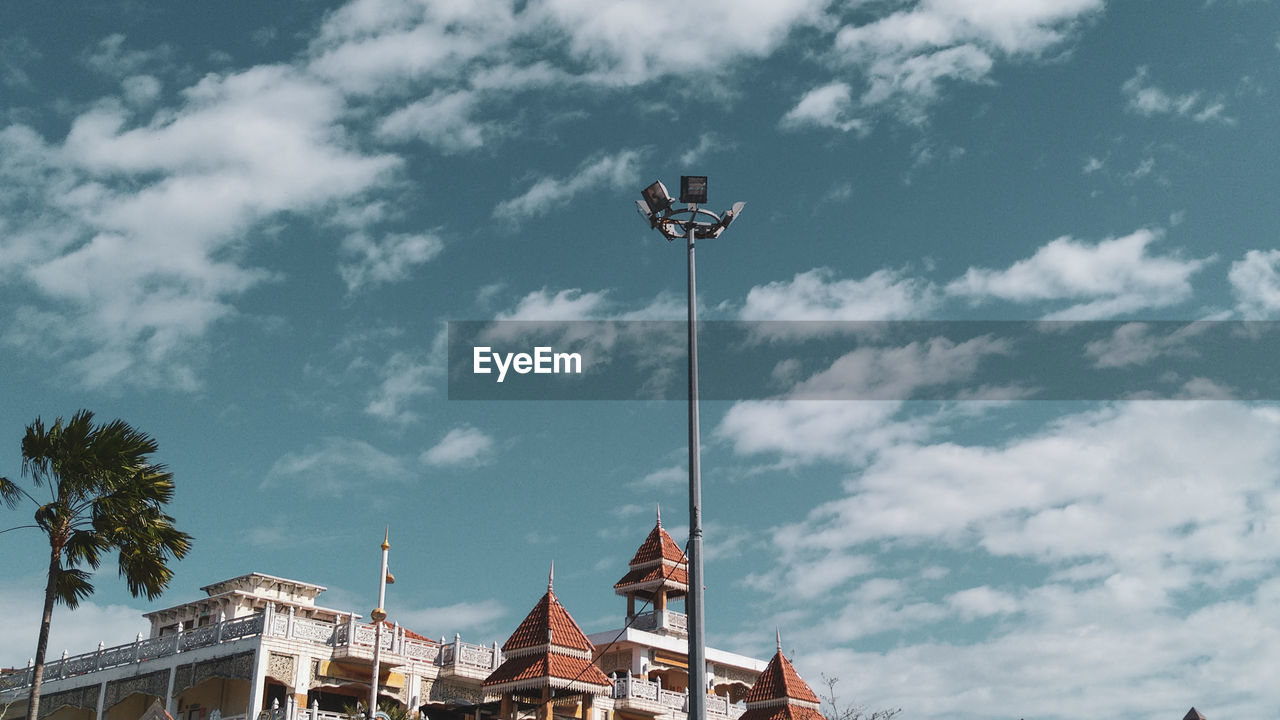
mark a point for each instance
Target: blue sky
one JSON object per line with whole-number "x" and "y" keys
{"x": 242, "y": 227}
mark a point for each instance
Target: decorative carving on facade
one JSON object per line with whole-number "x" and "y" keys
{"x": 729, "y": 674}
{"x": 312, "y": 630}
{"x": 281, "y": 668}
{"x": 443, "y": 691}
{"x": 153, "y": 684}
{"x": 231, "y": 667}
{"x": 182, "y": 678}
{"x": 618, "y": 661}
{"x": 82, "y": 697}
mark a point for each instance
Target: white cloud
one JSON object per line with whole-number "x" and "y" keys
{"x": 600, "y": 172}
{"x": 1147, "y": 99}
{"x": 450, "y": 619}
{"x": 1138, "y": 344}
{"x": 136, "y": 242}
{"x": 566, "y": 305}
{"x": 370, "y": 47}
{"x": 140, "y": 90}
{"x": 386, "y": 261}
{"x": 897, "y": 372}
{"x": 1255, "y": 281}
{"x": 336, "y": 467}
{"x": 629, "y": 43}
{"x": 708, "y": 143}
{"x": 20, "y": 607}
{"x": 812, "y": 430}
{"x": 818, "y": 296}
{"x": 1112, "y": 277}
{"x": 826, "y": 106}
{"x": 404, "y": 377}
{"x": 1129, "y": 484}
{"x": 460, "y": 446}
{"x": 665, "y": 478}
{"x": 443, "y": 120}
{"x": 980, "y": 602}
{"x": 110, "y": 57}
{"x": 1151, "y": 524}
{"x": 814, "y": 579}
{"x": 907, "y": 54}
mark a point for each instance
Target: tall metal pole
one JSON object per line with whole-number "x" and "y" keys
{"x": 697, "y": 632}
{"x": 379, "y": 614}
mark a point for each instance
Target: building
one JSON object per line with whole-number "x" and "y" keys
{"x": 260, "y": 647}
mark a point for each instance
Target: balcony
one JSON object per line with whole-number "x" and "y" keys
{"x": 662, "y": 621}
{"x": 138, "y": 651}
{"x": 642, "y": 696}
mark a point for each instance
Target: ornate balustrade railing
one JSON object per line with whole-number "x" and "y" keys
{"x": 633, "y": 688}
{"x": 661, "y": 620}
{"x": 460, "y": 654}
{"x": 138, "y": 651}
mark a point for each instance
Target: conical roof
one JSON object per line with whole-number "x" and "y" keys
{"x": 1194, "y": 714}
{"x": 781, "y": 694}
{"x": 659, "y": 562}
{"x": 548, "y": 649}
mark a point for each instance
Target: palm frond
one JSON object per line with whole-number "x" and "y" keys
{"x": 11, "y": 493}
{"x": 86, "y": 546}
{"x": 71, "y": 586}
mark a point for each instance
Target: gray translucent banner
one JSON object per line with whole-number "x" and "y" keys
{"x": 899, "y": 360}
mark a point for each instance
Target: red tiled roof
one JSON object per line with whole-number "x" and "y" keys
{"x": 548, "y": 613}
{"x": 782, "y": 712}
{"x": 780, "y": 680}
{"x": 657, "y": 546}
{"x": 547, "y": 665}
{"x": 678, "y": 574}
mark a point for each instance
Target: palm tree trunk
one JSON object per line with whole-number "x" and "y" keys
{"x": 42, "y": 645}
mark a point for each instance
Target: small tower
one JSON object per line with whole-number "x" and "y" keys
{"x": 780, "y": 693}
{"x": 548, "y": 661}
{"x": 659, "y": 572}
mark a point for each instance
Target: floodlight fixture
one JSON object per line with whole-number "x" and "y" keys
{"x": 644, "y": 213}
{"x": 693, "y": 189}
{"x": 657, "y": 197}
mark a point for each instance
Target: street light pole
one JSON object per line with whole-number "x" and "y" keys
{"x": 657, "y": 208}
{"x": 378, "y": 615}
{"x": 696, "y": 610}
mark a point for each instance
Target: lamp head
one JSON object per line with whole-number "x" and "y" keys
{"x": 656, "y": 197}
{"x": 644, "y": 213}
{"x": 693, "y": 189}
{"x": 731, "y": 214}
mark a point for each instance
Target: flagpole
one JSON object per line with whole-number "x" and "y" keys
{"x": 378, "y": 615}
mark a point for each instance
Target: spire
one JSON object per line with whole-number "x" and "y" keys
{"x": 386, "y": 539}
{"x": 659, "y": 514}
{"x": 547, "y": 650}
{"x": 551, "y": 576}
{"x": 658, "y": 565}
{"x": 780, "y": 684}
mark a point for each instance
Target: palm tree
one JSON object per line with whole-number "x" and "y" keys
{"x": 104, "y": 495}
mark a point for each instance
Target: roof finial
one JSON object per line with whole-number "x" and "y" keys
{"x": 779, "y": 632}
{"x": 659, "y": 514}
{"x": 551, "y": 576}
{"x": 386, "y": 539}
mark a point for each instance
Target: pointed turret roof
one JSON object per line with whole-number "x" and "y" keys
{"x": 1194, "y": 714}
{"x": 548, "y": 649}
{"x": 781, "y": 694}
{"x": 658, "y": 563}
